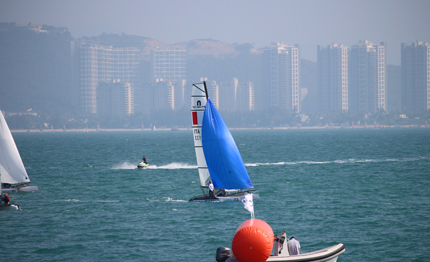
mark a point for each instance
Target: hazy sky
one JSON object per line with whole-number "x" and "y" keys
{"x": 304, "y": 22}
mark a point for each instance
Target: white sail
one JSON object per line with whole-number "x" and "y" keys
{"x": 11, "y": 167}
{"x": 198, "y": 103}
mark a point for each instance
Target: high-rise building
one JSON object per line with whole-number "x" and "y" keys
{"x": 157, "y": 95}
{"x": 235, "y": 96}
{"x": 415, "y": 68}
{"x": 213, "y": 90}
{"x": 367, "y": 81}
{"x": 95, "y": 64}
{"x": 115, "y": 98}
{"x": 332, "y": 70}
{"x": 245, "y": 97}
{"x": 169, "y": 64}
{"x": 281, "y": 78}
{"x": 228, "y": 95}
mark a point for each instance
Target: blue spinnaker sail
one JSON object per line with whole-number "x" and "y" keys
{"x": 223, "y": 159}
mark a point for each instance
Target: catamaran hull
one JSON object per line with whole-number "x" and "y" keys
{"x": 9, "y": 207}
{"x": 20, "y": 188}
{"x": 329, "y": 254}
{"x": 28, "y": 188}
{"x": 222, "y": 198}
{"x": 9, "y": 190}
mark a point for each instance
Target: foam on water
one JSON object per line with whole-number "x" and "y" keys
{"x": 341, "y": 161}
{"x": 174, "y": 165}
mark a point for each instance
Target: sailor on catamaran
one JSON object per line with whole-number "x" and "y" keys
{"x": 211, "y": 189}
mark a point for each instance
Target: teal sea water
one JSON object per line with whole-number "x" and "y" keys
{"x": 366, "y": 188}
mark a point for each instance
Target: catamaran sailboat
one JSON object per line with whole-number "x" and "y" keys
{"x": 14, "y": 177}
{"x": 218, "y": 158}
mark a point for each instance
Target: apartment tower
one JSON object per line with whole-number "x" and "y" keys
{"x": 170, "y": 65}
{"x": 367, "y": 81}
{"x": 95, "y": 64}
{"x": 281, "y": 77}
{"x": 415, "y": 68}
{"x": 332, "y": 77}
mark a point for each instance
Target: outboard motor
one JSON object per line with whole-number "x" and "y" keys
{"x": 281, "y": 245}
{"x": 223, "y": 253}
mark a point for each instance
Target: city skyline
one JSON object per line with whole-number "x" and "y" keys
{"x": 353, "y": 80}
{"x": 306, "y": 23}
{"x": 107, "y": 60}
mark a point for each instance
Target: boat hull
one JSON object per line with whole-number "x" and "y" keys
{"x": 28, "y": 188}
{"x": 9, "y": 190}
{"x": 232, "y": 197}
{"x": 329, "y": 254}
{"x": 9, "y": 207}
{"x": 142, "y": 166}
{"x": 21, "y": 188}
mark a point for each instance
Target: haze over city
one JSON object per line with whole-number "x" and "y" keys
{"x": 306, "y": 23}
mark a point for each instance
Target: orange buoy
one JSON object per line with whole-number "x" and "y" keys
{"x": 253, "y": 241}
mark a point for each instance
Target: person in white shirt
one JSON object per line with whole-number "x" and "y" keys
{"x": 211, "y": 189}
{"x": 293, "y": 246}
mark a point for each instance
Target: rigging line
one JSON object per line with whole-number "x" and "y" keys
{"x": 199, "y": 88}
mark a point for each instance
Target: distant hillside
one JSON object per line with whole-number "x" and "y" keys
{"x": 34, "y": 68}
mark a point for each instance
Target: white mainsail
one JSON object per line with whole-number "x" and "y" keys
{"x": 11, "y": 167}
{"x": 198, "y": 104}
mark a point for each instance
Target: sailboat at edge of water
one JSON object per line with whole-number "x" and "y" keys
{"x": 218, "y": 158}
{"x": 14, "y": 177}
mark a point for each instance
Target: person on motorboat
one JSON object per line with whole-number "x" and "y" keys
{"x": 5, "y": 199}
{"x": 144, "y": 160}
{"x": 211, "y": 189}
{"x": 293, "y": 246}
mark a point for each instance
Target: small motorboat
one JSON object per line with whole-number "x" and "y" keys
{"x": 254, "y": 240}
{"x": 142, "y": 165}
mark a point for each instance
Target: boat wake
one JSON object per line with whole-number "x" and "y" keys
{"x": 342, "y": 161}
{"x": 174, "y": 165}
{"x": 125, "y": 165}
{"x": 166, "y": 199}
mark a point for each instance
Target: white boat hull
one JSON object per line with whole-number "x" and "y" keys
{"x": 9, "y": 190}
{"x": 21, "y": 188}
{"x": 28, "y": 188}
{"x": 329, "y": 254}
{"x": 223, "y": 198}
